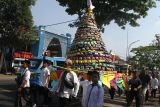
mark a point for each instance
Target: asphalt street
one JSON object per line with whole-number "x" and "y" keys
{"x": 8, "y": 96}
{"x": 7, "y": 93}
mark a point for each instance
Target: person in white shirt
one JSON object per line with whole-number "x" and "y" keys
{"x": 67, "y": 86}
{"x": 26, "y": 75}
{"x": 25, "y": 85}
{"x": 44, "y": 81}
{"x": 154, "y": 86}
{"x": 45, "y": 74}
{"x": 85, "y": 84}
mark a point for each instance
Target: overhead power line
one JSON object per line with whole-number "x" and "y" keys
{"x": 60, "y": 23}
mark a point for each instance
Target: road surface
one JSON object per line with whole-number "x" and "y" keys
{"x": 8, "y": 95}
{"x": 7, "y": 91}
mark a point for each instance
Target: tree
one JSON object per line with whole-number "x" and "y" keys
{"x": 121, "y": 11}
{"x": 147, "y": 56}
{"x": 16, "y": 26}
{"x": 16, "y": 22}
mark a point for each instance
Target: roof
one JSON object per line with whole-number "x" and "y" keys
{"x": 51, "y": 58}
{"x": 56, "y": 58}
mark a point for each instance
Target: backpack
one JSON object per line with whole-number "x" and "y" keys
{"x": 68, "y": 84}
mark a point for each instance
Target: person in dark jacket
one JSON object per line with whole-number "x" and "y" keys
{"x": 145, "y": 79}
{"x": 134, "y": 90}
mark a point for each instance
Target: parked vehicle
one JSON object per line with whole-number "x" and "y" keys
{"x": 18, "y": 59}
{"x": 17, "y": 64}
{"x": 37, "y": 64}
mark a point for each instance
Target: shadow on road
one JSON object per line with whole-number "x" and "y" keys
{"x": 7, "y": 93}
{"x": 119, "y": 101}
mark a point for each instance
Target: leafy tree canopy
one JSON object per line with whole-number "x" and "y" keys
{"x": 147, "y": 56}
{"x": 121, "y": 11}
{"x": 16, "y": 22}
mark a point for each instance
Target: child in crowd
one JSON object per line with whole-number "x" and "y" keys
{"x": 95, "y": 93}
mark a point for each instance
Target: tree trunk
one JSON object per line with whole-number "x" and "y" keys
{"x": 1, "y": 61}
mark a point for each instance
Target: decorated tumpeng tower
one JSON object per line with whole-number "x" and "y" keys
{"x": 88, "y": 49}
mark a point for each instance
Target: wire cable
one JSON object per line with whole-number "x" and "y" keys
{"x": 60, "y": 23}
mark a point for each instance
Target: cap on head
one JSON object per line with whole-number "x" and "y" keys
{"x": 68, "y": 62}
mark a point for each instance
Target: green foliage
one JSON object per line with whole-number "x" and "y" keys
{"x": 121, "y": 11}
{"x": 147, "y": 56}
{"x": 16, "y": 22}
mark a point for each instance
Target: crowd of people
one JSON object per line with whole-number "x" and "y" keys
{"x": 140, "y": 85}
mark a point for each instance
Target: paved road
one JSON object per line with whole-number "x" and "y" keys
{"x": 7, "y": 93}
{"x": 121, "y": 102}
{"x": 8, "y": 90}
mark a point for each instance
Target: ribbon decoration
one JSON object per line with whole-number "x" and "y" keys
{"x": 114, "y": 83}
{"x": 115, "y": 80}
{"x": 120, "y": 83}
{"x": 109, "y": 79}
{"x": 106, "y": 78}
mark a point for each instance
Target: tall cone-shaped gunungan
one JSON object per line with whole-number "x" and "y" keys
{"x": 87, "y": 48}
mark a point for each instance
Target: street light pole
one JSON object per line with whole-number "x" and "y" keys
{"x": 158, "y": 39}
{"x": 127, "y": 47}
{"x": 131, "y": 45}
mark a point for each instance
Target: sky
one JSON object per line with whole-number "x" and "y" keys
{"x": 47, "y": 12}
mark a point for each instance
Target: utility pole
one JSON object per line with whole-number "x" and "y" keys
{"x": 131, "y": 45}
{"x": 127, "y": 47}
{"x": 158, "y": 39}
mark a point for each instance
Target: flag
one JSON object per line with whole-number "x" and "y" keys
{"x": 89, "y": 4}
